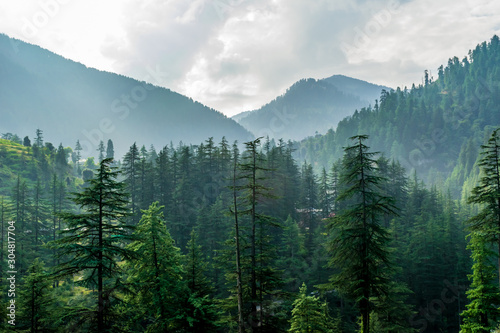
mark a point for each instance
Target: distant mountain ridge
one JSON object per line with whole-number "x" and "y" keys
{"x": 366, "y": 91}
{"x": 434, "y": 128}
{"x": 69, "y": 102}
{"x": 310, "y": 106}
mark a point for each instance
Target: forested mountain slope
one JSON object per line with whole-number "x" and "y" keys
{"x": 211, "y": 237}
{"x": 310, "y": 106}
{"x": 367, "y": 92}
{"x": 69, "y": 101}
{"x": 428, "y": 127}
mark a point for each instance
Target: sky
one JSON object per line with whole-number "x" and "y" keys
{"x": 237, "y": 55}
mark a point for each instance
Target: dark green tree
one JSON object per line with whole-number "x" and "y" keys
{"x": 156, "y": 279}
{"x": 131, "y": 172}
{"x": 309, "y": 204}
{"x": 101, "y": 149}
{"x": 310, "y": 315}
{"x": 487, "y": 193}
{"x": 39, "y": 138}
{"x": 482, "y": 312}
{"x": 201, "y": 310}
{"x": 237, "y": 238}
{"x": 359, "y": 244}
{"x": 265, "y": 280}
{"x": 93, "y": 240}
{"x": 36, "y": 300}
{"x": 61, "y": 159}
{"x": 40, "y": 213}
{"x": 110, "y": 150}
{"x": 78, "y": 149}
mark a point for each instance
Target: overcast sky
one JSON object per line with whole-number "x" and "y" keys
{"x": 236, "y": 55}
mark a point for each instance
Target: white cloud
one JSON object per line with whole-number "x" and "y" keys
{"x": 235, "y": 55}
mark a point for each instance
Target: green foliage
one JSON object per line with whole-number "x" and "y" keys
{"x": 201, "y": 310}
{"x": 487, "y": 193}
{"x": 426, "y": 127}
{"x": 392, "y": 311}
{"x": 40, "y": 79}
{"x": 292, "y": 207}
{"x": 309, "y": 106}
{"x": 36, "y": 301}
{"x": 155, "y": 279}
{"x": 309, "y": 314}
{"x": 93, "y": 241}
{"x": 482, "y": 312}
{"x": 359, "y": 244}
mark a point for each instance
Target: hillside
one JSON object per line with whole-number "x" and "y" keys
{"x": 367, "y": 92}
{"x": 13, "y": 160}
{"x": 69, "y": 102}
{"x": 428, "y": 127}
{"x": 310, "y": 106}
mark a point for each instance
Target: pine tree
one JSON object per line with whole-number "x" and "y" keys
{"x": 54, "y": 189}
{"x": 238, "y": 247}
{"x": 131, "y": 173}
{"x": 39, "y": 215}
{"x": 359, "y": 244}
{"x": 93, "y": 241}
{"x": 164, "y": 180}
{"x": 182, "y": 219}
{"x": 26, "y": 141}
{"x": 264, "y": 279}
{"x": 482, "y": 312}
{"x": 156, "y": 279}
{"x": 101, "y": 150}
{"x": 39, "y": 138}
{"x": 292, "y": 256}
{"x": 78, "y": 149}
{"x": 309, "y": 314}
{"x": 392, "y": 310}
{"x": 487, "y": 194}
{"x": 309, "y": 204}
{"x": 201, "y": 309}
{"x": 61, "y": 162}
{"x": 36, "y": 300}
{"x": 255, "y": 281}
{"x": 324, "y": 195}
{"x": 110, "y": 150}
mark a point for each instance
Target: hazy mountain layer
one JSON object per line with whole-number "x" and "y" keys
{"x": 433, "y": 128}
{"x": 69, "y": 102}
{"x": 310, "y": 106}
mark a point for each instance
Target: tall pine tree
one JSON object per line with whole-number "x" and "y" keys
{"x": 487, "y": 193}
{"x": 93, "y": 241}
{"x": 482, "y": 312}
{"x": 359, "y": 244}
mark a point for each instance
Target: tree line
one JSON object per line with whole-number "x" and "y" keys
{"x": 208, "y": 238}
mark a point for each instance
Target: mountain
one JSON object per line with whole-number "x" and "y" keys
{"x": 433, "y": 128}
{"x": 367, "y": 92}
{"x": 70, "y": 102}
{"x": 310, "y": 106}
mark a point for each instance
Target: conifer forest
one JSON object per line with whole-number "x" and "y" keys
{"x": 389, "y": 222}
